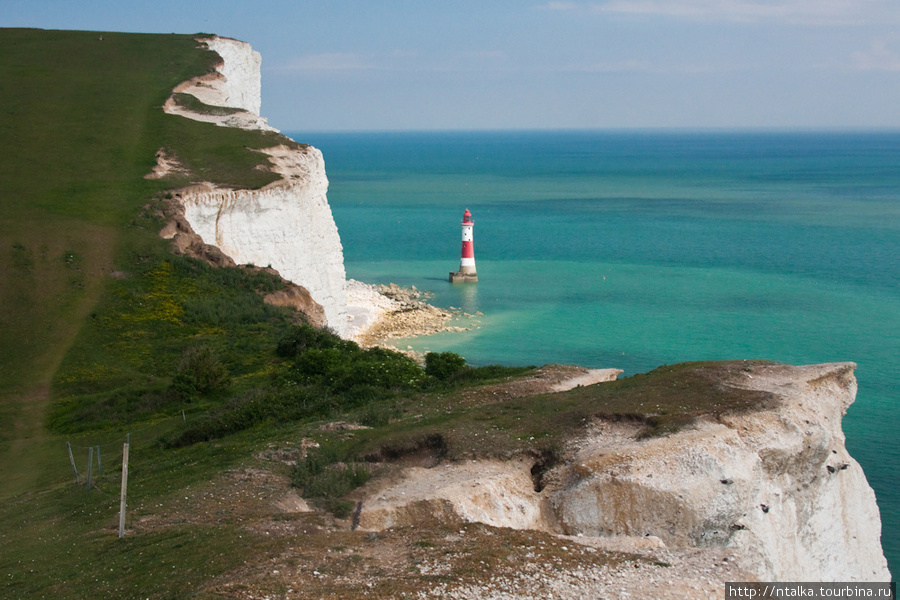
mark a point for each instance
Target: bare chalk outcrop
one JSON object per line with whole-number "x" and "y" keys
{"x": 773, "y": 490}
{"x": 287, "y": 225}
{"x": 235, "y": 84}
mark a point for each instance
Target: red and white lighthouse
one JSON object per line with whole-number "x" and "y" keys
{"x": 466, "y": 271}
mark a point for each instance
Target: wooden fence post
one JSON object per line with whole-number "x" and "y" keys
{"x": 124, "y": 490}
{"x": 90, "y": 467}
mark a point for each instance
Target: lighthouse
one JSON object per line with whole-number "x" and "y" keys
{"x": 466, "y": 271}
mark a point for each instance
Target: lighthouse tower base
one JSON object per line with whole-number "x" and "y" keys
{"x": 461, "y": 277}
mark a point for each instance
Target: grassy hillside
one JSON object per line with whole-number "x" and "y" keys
{"x": 105, "y": 336}
{"x": 81, "y": 125}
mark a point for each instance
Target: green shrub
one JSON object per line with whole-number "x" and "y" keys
{"x": 305, "y": 337}
{"x": 341, "y": 509}
{"x": 199, "y": 372}
{"x": 318, "y": 364}
{"x": 384, "y": 369}
{"x": 488, "y": 373}
{"x": 107, "y": 408}
{"x": 326, "y": 476}
{"x": 443, "y": 365}
{"x": 250, "y": 409}
{"x": 349, "y": 371}
{"x": 222, "y": 309}
{"x": 378, "y": 414}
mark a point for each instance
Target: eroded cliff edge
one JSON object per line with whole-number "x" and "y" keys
{"x": 771, "y": 489}
{"x": 286, "y": 225}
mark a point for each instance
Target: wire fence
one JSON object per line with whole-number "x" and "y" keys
{"x": 88, "y": 462}
{"x": 97, "y": 454}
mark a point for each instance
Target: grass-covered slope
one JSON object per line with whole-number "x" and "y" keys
{"x": 81, "y": 124}
{"x": 77, "y": 131}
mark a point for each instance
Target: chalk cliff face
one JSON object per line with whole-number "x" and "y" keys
{"x": 774, "y": 489}
{"x": 776, "y": 486}
{"x": 242, "y": 85}
{"x": 288, "y": 224}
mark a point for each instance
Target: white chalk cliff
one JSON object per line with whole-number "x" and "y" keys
{"x": 288, "y": 224}
{"x": 773, "y": 490}
{"x": 236, "y": 83}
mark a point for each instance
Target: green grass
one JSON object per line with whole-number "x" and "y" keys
{"x": 65, "y": 539}
{"x": 125, "y": 361}
{"x": 81, "y": 122}
{"x": 457, "y": 427}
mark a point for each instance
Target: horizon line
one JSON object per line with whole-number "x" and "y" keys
{"x": 649, "y": 129}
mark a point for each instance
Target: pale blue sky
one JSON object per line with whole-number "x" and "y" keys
{"x": 502, "y": 64}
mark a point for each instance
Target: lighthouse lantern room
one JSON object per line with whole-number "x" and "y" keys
{"x": 466, "y": 271}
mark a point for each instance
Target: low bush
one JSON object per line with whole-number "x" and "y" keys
{"x": 221, "y": 310}
{"x": 109, "y": 408}
{"x": 306, "y": 337}
{"x": 199, "y": 372}
{"x": 325, "y": 476}
{"x": 443, "y": 365}
{"x": 378, "y": 414}
{"x": 250, "y": 409}
{"x": 488, "y": 373}
{"x": 347, "y": 370}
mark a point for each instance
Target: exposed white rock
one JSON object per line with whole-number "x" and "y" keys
{"x": 242, "y": 87}
{"x": 235, "y": 84}
{"x": 365, "y": 305}
{"x": 288, "y": 224}
{"x": 492, "y": 492}
{"x": 775, "y": 487}
{"x": 590, "y": 377}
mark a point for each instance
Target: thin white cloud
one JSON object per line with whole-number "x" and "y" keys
{"x": 879, "y": 57}
{"x": 641, "y": 66}
{"x": 560, "y": 6}
{"x": 396, "y": 60}
{"x": 803, "y": 12}
{"x": 329, "y": 61}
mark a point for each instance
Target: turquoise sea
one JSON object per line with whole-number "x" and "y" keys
{"x": 637, "y": 249}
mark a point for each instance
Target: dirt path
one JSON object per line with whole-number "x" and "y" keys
{"x": 46, "y": 292}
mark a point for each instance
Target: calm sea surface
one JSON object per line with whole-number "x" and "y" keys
{"x": 634, "y": 250}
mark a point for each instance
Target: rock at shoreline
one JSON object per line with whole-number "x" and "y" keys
{"x": 387, "y": 312}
